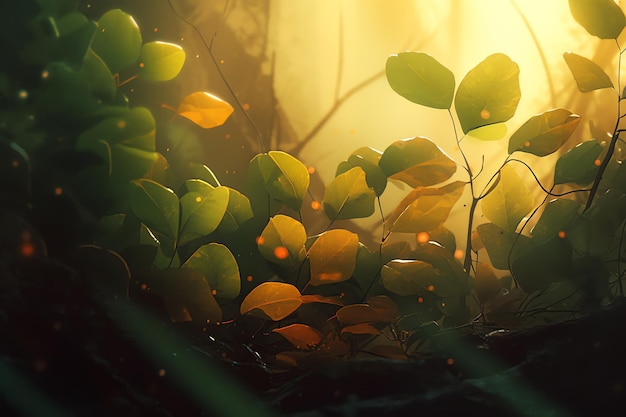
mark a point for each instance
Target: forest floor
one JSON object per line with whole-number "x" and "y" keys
{"x": 66, "y": 350}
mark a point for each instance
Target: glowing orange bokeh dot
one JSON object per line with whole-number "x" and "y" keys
{"x": 214, "y": 292}
{"x": 561, "y": 234}
{"x": 161, "y": 372}
{"x": 420, "y": 300}
{"x": 485, "y": 114}
{"x": 281, "y": 252}
{"x": 316, "y": 205}
{"x": 249, "y": 278}
{"x": 260, "y": 240}
{"x": 458, "y": 254}
{"x": 450, "y": 361}
{"x": 431, "y": 288}
{"x": 121, "y": 124}
{"x": 58, "y": 191}
{"x": 423, "y": 237}
{"x": 527, "y": 144}
{"x": 597, "y": 162}
{"x": 246, "y": 106}
{"x": 311, "y": 170}
{"x": 27, "y": 249}
{"x": 141, "y": 65}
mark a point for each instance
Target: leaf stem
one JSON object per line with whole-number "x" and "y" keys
{"x": 611, "y": 149}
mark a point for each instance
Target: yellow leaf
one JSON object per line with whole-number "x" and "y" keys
{"x": 272, "y": 300}
{"x": 333, "y": 256}
{"x": 205, "y": 109}
{"x": 300, "y": 335}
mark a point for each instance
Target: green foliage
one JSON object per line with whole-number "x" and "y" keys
{"x": 213, "y": 253}
{"x": 489, "y": 93}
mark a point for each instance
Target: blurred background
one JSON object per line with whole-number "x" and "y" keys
{"x": 309, "y": 74}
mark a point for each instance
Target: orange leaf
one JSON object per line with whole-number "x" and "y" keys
{"x": 300, "y": 335}
{"x": 271, "y": 300}
{"x": 362, "y": 328}
{"x": 315, "y": 298}
{"x": 205, "y": 109}
{"x": 379, "y": 311}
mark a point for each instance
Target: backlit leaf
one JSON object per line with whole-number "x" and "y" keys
{"x": 100, "y": 78}
{"x": 156, "y": 206}
{"x": 420, "y": 78}
{"x": 348, "y": 196}
{"x": 220, "y": 269}
{"x": 187, "y": 295}
{"x": 486, "y": 283}
{"x": 367, "y": 158}
{"x": 544, "y": 133}
{"x": 205, "y": 109}
{"x": 300, "y": 335}
{"x": 587, "y": 74}
{"x": 410, "y": 277}
{"x": 425, "y": 209}
{"x": 508, "y": 202}
{"x": 117, "y": 40}
{"x": 160, "y": 61}
{"x": 286, "y": 178}
{"x": 601, "y": 18}
{"x": 492, "y": 132}
{"x": 237, "y": 212}
{"x": 489, "y": 93}
{"x": 201, "y": 213}
{"x": 316, "y": 298}
{"x": 271, "y": 300}
{"x": 502, "y": 245}
{"x": 578, "y": 165}
{"x": 333, "y": 256}
{"x": 417, "y": 162}
{"x": 361, "y": 328}
{"x": 367, "y": 313}
{"x": 282, "y": 241}
{"x": 555, "y": 217}
{"x": 195, "y": 170}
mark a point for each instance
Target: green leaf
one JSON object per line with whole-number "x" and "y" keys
{"x": 587, "y": 74}
{"x": 366, "y": 267}
{"x": 379, "y": 309}
{"x": 199, "y": 171}
{"x": 544, "y": 133}
{"x": 133, "y": 128}
{"x": 420, "y": 78}
{"x": 508, "y": 202}
{"x": 238, "y": 211}
{"x": 282, "y": 241}
{"x": 502, "y": 245}
{"x": 156, "y": 206}
{"x": 601, "y": 18}
{"x": 413, "y": 277}
{"x": 368, "y": 158}
{"x": 548, "y": 262}
{"x": 117, "y": 40}
{"x": 220, "y": 269}
{"x": 492, "y": 132}
{"x": 75, "y": 37}
{"x": 333, "y": 256}
{"x": 425, "y": 209}
{"x": 125, "y": 143}
{"x": 417, "y": 162}
{"x": 578, "y": 165}
{"x": 187, "y": 295}
{"x": 555, "y": 218}
{"x": 286, "y": 178}
{"x": 489, "y": 93}
{"x": 100, "y": 78}
{"x": 205, "y": 109}
{"x": 201, "y": 213}
{"x": 271, "y": 300}
{"x": 160, "y": 61}
{"x": 348, "y": 196}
